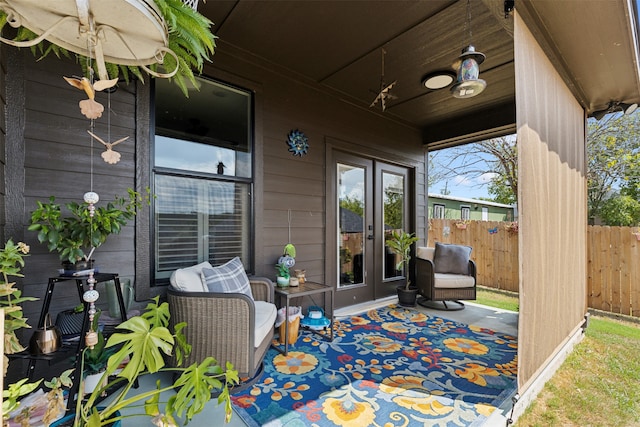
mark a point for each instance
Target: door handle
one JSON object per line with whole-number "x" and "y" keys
{"x": 370, "y": 237}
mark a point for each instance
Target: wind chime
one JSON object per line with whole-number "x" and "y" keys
{"x": 93, "y": 110}
{"x": 106, "y": 28}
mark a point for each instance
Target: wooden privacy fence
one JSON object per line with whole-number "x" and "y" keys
{"x": 614, "y": 269}
{"x": 613, "y": 260}
{"x": 495, "y": 249}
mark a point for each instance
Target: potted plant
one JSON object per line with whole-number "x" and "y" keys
{"x": 144, "y": 341}
{"x": 76, "y": 235}
{"x": 283, "y": 274}
{"x": 400, "y": 242}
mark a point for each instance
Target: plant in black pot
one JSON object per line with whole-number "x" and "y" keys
{"x": 400, "y": 242}
{"x": 76, "y": 232}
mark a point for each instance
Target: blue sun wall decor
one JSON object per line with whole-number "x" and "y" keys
{"x": 297, "y": 143}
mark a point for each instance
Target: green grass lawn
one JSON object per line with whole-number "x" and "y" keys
{"x": 598, "y": 384}
{"x": 501, "y": 300}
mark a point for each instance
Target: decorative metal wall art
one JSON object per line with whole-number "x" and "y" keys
{"x": 297, "y": 142}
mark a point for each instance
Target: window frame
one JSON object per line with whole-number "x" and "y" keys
{"x": 443, "y": 210}
{"x": 249, "y": 264}
{"x": 463, "y": 209}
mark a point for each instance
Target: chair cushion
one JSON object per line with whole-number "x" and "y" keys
{"x": 188, "y": 279}
{"x": 229, "y": 277}
{"x": 265, "y": 318}
{"x": 453, "y": 259}
{"x": 453, "y": 281}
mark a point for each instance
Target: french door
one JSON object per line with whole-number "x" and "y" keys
{"x": 370, "y": 200}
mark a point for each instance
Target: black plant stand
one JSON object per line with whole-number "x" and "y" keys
{"x": 80, "y": 285}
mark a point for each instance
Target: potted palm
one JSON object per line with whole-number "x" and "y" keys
{"x": 79, "y": 232}
{"x": 400, "y": 242}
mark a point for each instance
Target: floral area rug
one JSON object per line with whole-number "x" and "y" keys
{"x": 392, "y": 366}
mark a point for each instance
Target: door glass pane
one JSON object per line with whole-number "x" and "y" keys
{"x": 393, "y": 214}
{"x": 351, "y": 205}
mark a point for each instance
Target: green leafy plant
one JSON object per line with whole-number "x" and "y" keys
{"x": 400, "y": 242}
{"x": 189, "y": 37}
{"x": 142, "y": 343}
{"x": 282, "y": 270}
{"x": 75, "y": 236}
{"x": 11, "y": 263}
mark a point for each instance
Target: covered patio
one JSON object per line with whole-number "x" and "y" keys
{"x": 316, "y": 68}
{"x": 474, "y": 314}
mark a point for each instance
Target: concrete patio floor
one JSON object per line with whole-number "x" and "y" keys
{"x": 473, "y": 314}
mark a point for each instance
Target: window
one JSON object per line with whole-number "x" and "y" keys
{"x": 438, "y": 211}
{"x": 202, "y": 176}
{"x": 465, "y": 212}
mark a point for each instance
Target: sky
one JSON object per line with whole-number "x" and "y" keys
{"x": 461, "y": 186}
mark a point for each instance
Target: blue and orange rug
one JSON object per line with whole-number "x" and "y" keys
{"x": 392, "y": 366}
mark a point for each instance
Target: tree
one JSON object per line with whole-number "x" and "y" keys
{"x": 494, "y": 160}
{"x": 613, "y": 167}
{"x": 613, "y": 153}
{"x": 621, "y": 211}
{"x": 353, "y": 204}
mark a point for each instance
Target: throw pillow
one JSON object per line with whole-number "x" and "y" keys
{"x": 189, "y": 279}
{"x": 451, "y": 259}
{"x": 229, "y": 277}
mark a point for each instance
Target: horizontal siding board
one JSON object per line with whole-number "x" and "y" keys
{"x": 301, "y": 186}
{"x": 48, "y": 129}
{"x": 300, "y": 217}
{"x": 283, "y": 201}
{"x": 43, "y": 97}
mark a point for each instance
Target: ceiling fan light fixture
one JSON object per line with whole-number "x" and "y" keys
{"x": 613, "y": 107}
{"x": 467, "y": 83}
{"x": 438, "y": 80}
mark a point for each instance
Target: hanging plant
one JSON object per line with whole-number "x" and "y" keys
{"x": 189, "y": 37}
{"x": 512, "y": 227}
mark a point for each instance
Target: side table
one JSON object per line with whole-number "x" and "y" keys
{"x": 304, "y": 290}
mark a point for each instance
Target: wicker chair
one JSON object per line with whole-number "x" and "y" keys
{"x": 436, "y": 288}
{"x": 231, "y": 327}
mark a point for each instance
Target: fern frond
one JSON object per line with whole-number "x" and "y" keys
{"x": 189, "y": 37}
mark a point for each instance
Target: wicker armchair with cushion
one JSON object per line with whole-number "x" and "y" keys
{"x": 228, "y": 315}
{"x": 445, "y": 274}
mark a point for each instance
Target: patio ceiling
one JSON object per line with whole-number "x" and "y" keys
{"x": 337, "y": 45}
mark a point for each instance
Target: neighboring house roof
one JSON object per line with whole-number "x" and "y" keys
{"x": 467, "y": 200}
{"x": 350, "y": 222}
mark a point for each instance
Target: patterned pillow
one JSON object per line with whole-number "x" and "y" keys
{"x": 229, "y": 277}
{"x": 452, "y": 259}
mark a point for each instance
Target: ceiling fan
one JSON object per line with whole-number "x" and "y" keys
{"x": 613, "y": 107}
{"x": 385, "y": 90}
